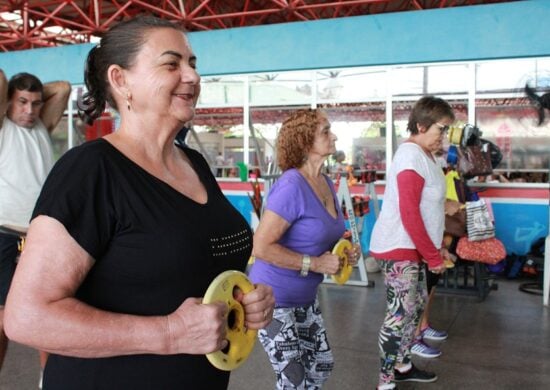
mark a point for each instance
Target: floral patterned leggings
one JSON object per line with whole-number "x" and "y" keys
{"x": 297, "y": 346}
{"x": 406, "y": 296}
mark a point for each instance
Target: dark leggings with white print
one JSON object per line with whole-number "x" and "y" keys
{"x": 297, "y": 346}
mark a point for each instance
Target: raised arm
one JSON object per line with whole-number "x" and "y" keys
{"x": 3, "y": 96}
{"x": 56, "y": 96}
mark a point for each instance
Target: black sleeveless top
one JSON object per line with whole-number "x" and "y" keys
{"x": 153, "y": 247}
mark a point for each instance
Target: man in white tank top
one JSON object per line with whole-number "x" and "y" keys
{"x": 29, "y": 111}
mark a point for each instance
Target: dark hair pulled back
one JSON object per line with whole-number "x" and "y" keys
{"x": 120, "y": 45}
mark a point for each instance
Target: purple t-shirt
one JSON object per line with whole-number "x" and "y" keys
{"x": 312, "y": 231}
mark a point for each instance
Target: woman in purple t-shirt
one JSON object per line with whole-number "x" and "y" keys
{"x": 301, "y": 223}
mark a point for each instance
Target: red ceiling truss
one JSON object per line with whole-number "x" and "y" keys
{"x": 44, "y": 23}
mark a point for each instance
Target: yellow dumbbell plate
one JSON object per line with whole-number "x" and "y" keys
{"x": 339, "y": 250}
{"x": 448, "y": 263}
{"x": 241, "y": 340}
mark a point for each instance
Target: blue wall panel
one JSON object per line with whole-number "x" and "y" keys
{"x": 519, "y": 225}
{"x": 516, "y": 225}
{"x": 56, "y": 63}
{"x": 462, "y": 33}
{"x": 508, "y": 30}
{"x": 242, "y": 204}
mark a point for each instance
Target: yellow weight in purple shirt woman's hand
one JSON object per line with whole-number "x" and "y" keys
{"x": 345, "y": 271}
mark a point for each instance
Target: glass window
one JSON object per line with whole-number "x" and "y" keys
{"x": 351, "y": 85}
{"x": 511, "y": 123}
{"x": 430, "y": 79}
{"x": 221, "y": 91}
{"x": 355, "y": 102}
{"x": 358, "y": 128}
{"x": 274, "y": 89}
{"x": 504, "y": 76}
{"x": 543, "y": 73}
{"x": 447, "y": 79}
{"x": 408, "y": 81}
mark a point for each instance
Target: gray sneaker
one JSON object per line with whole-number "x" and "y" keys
{"x": 420, "y": 348}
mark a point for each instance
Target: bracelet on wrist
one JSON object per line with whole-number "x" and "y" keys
{"x": 306, "y": 264}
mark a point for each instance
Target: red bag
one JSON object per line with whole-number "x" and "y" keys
{"x": 489, "y": 251}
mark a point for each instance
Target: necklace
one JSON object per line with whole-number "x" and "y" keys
{"x": 321, "y": 193}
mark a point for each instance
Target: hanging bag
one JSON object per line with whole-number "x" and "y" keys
{"x": 474, "y": 160}
{"x": 478, "y": 221}
{"x": 489, "y": 251}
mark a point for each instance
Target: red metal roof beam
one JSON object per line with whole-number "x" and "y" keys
{"x": 416, "y": 5}
{"x": 347, "y": 3}
{"x": 218, "y": 18}
{"x": 48, "y": 17}
{"x": 245, "y": 9}
{"x": 160, "y": 11}
{"x": 300, "y": 4}
{"x": 62, "y": 22}
{"x": 120, "y": 11}
{"x": 238, "y": 14}
{"x": 198, "y": 9}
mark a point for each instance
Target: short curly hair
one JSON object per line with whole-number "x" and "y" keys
{"x": 296, "y": 137}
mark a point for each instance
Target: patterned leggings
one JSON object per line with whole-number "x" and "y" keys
{"x": 406, "y": 297}
{"x": 297, "y": 346}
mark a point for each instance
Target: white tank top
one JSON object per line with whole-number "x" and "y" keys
{"x": 26, "y": 158}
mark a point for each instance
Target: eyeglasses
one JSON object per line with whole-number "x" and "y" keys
{"x": 442, "y": 128}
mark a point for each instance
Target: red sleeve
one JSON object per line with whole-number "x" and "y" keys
{"x": 409, "y": 185}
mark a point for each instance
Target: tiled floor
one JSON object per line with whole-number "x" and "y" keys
{"x": 500, "y": 343}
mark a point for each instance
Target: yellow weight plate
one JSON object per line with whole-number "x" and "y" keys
{"x": 448, "y": 263}
{"x": 241, "y": 340}
{"x": 339, "y": 249}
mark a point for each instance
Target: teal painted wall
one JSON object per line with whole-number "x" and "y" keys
{"x": 516, "y": 225}
{"x": 508, "y": 30}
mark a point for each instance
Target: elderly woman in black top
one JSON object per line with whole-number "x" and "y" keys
{"x": 129, "y": 231}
